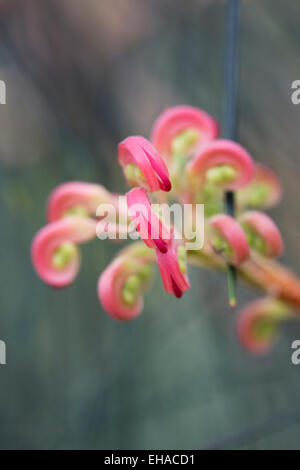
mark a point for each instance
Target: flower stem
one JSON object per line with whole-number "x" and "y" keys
{"x": 231, "y": 282}
{"x": 231, "y": 108}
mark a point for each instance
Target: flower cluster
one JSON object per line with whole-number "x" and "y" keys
{"x": 184, "y": 161}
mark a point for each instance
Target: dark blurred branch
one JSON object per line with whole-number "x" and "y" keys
{"x": 231, "y": 109}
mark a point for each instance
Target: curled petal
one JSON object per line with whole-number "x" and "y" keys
{"x": 224, "y": 162}
{"x": 174, "y": 122}
{"x": 172, "y": 267}
{"x": 121, "y": 287}
{"x": 77, "y": 198}
{"x": 54, "y": 253}
{"x": 148, "y": 224}
{"x": 142, "y": 164}
{"x": 263, "y": 192}
{"x": 228, "y": 239}
{"x": 262, "y": 233}
{"x": 258, "y": 323}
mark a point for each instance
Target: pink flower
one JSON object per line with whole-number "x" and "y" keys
{"x": 263, "y": 192}
{"x": 172, "y": 267}
{"x": 175, "y": 122}
{"x": 54, "y": 253}
{"x": 147, "y": 222}
{"x": 184, "y": 150}
{"x": 170, "y": 252}
{"x": 142, "y": 164}
{"x": 223, "y": 163}
{"x": 77, "y": 198}
{"x": 228, "y": 239}
{"x": 258, "y": 323}
{"x": 262, "y": 233}
{"x": 122, "y": 284}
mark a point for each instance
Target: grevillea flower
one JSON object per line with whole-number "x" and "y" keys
{"x": 170, "y": 252}
{"x": 223, "y": 163}
{"x": 263, "y": 192}
{"x": 228, "y": 239}
{"x": 123, "y": 283}
{"x": 142, "y": 164}
{"x": 181, "y": 130}
{"x": 147, "y": 222}
{"x": 173, "y": 267}
{"x": 184, "y": 150}
{"x": 262, "y": 233}
{"x": 54, "y": 252}
{"x": 258, "y": 323}
{"x": 77, "y": 198}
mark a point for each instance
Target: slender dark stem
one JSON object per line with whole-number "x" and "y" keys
{"x": 231, "y": 109}
{"x": 231, "y": 69}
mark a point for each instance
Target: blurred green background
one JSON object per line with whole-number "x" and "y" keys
{"x": 81, "y": 76}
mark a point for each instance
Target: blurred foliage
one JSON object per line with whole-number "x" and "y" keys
{"x": 80, "y": 77}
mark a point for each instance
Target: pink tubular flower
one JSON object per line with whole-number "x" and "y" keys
{"x": 142, "y": 164}
{"x": 184, "y": 151}
{"x": 174, "y": 122}
{"x": 172, "y": 267}
{"x": 258, "y": 322}
{"x": 122, "y": 284}
{"x": 228, "y": 239}
{"x": 262, "y": 233}
{"x": 223, "y": 163}
{"x": 77, "y": 198}
{"x": 55, "y": 256}
{"x": 263, "y": 192}
{"x": 147, "y": 222}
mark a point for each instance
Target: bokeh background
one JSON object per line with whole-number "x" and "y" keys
{"x": 81, "y": 76}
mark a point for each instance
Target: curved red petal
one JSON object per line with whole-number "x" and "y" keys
{"x": 110, "y": 286}
{"x": 138, "y": 151}
{"x": 151, "y": 229}
{"x": 50, "y": 238}
{"x": 174, "y": 281}
{"x": 221, "y": 152}
{"x": 176, "y": 120}
{"x": 267, "y": 309}
{"x": 265, "y": 176}
{"x": 266, "y": 229}
{"x": 234, "y": 235}
{"x": 69, "y": 195}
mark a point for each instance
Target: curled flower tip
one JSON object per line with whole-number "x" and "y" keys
{"x": 54, "y": 253}
{"x": 258, "y": 323}
{"x": 143, "y": 165}
{"x": 147, "y": 222}
{"x": 263, "y": 192}
{"x": 262, "y": 233}
{"x": 122, "y": 285}
{"x": 76, "y": 198}
{"x": 228, "y": 239}
{"x": 181, "y": 130}
{"x": 173, "y": 267}
{"x": 222, "y": 163}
